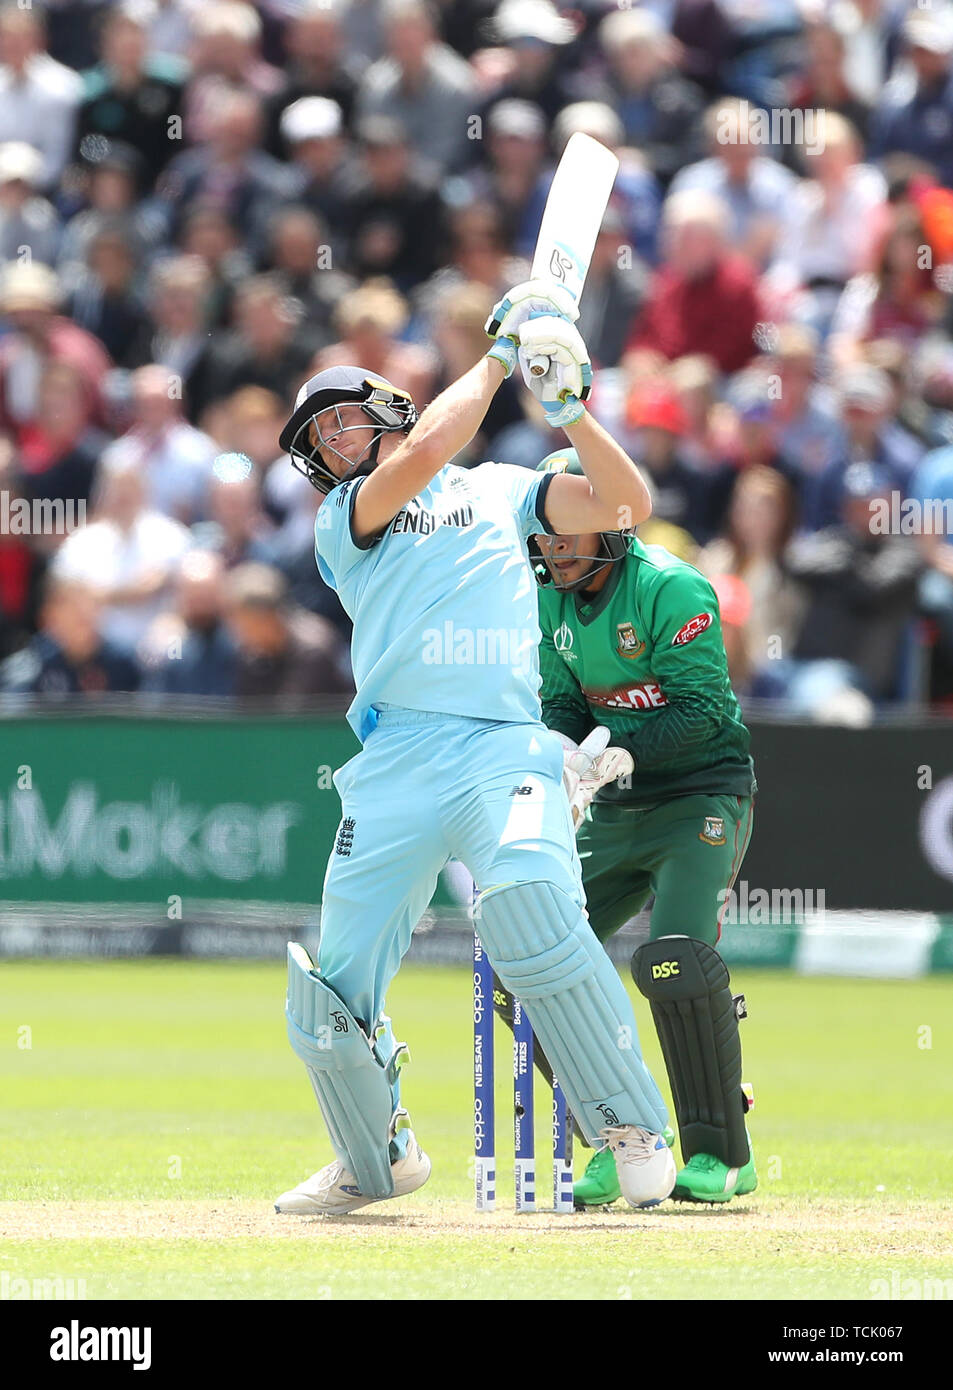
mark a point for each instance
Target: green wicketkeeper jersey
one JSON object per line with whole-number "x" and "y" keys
{"x": 646, "y": 658}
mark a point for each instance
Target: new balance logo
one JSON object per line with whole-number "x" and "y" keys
{"x": 345, "y": 839}
{"x": 525, "y": 790}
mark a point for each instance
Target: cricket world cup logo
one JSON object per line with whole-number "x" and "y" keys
{"x": 563, "y": 638}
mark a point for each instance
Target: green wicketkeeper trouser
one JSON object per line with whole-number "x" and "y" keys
{"x": 687, "y": 851}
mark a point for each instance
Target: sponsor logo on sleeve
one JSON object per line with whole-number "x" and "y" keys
{"x": 701, "y": 623}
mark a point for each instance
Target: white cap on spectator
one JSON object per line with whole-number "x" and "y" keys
{"x": 28, "y": 285}
{"x": 19, "y": 162}
{"x": 865, "y": 387}
{"x": 311, "y": 118}
{"x": 515, "y": 117}
{"x": 304, "y": 9}
{"x": 930, "y": 29}
{"x": 532, "y": 19}
{"x": 141, "y": 12}
{"x": 231, "y": 17}
{"x": 622, "y": 27}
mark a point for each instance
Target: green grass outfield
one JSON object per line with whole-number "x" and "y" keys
{"x": 158, "y": 1110}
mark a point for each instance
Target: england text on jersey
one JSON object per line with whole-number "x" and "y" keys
{"x": 420, "y": 522}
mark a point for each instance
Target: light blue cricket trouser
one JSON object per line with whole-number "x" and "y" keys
{"x": 426, "y": 787}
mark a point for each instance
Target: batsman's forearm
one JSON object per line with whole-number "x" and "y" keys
{"x": 450, "y": 422}
{"x": 613, "y": 477}
{"x": 445, "y": 427}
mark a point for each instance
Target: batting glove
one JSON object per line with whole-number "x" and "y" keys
{"x": 560, "y": 414}
{"x": 523, "y": 301}
{"x": 568, "y": 380}
{"x": 504, "y": 350}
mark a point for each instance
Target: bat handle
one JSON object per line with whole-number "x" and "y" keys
{"x": 539, "y": 366}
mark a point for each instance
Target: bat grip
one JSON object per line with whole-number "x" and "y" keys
{"x": 539, "y": 366}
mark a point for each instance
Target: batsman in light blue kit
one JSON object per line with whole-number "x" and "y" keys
{"x": 430, "y": 561}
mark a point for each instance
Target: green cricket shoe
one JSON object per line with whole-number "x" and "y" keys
{"x": 599, "y": 1185}
{"x": 706, "y": 1179}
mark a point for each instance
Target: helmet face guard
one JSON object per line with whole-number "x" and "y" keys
{"x": 317, "y": 419}
{"x": 614, "y": 546}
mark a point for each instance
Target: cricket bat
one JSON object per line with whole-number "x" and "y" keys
{"x": 572, "y": 217}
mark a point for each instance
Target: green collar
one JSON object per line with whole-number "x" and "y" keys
{"x": 588, "y": 611}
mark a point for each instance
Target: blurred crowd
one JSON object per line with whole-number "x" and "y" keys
{"x": 204, "y": 201}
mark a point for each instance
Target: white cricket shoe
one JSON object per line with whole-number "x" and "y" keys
{"x": 333, "y": 1191}
{"x": 644, "y": 1163}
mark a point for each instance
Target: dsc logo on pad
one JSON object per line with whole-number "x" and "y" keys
{"x": 665, "y": 969}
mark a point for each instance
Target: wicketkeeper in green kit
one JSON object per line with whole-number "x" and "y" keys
{"x": 631, "y": 640}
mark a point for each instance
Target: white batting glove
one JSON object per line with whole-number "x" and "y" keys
{"x": 568, "y": 382}
{"x": 525, "y": 300}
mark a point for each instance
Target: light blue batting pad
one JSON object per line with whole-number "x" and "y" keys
{"x": 355, "y": 1081}
{"x": 544, "y": 950}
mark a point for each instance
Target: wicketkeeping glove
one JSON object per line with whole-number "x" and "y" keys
{"x": 590, "y": 765}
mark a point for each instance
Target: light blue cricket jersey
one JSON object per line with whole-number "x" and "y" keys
{"x": 444, "y": 602}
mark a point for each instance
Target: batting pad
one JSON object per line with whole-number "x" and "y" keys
{"x": 354, "y": 1089}
{"x": 544, "y": 950}
{"x": 687, "y": 984}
